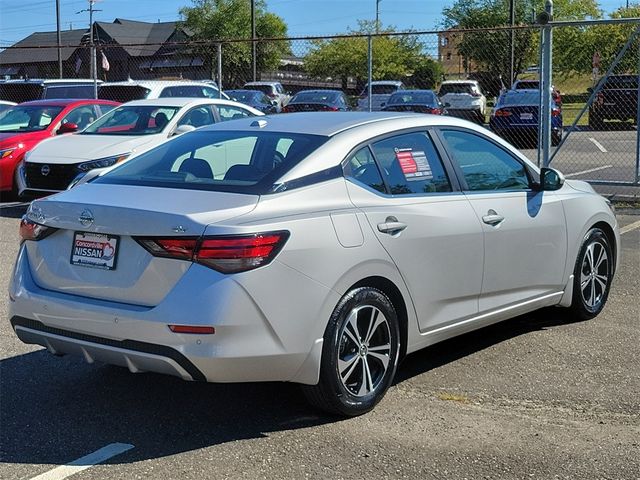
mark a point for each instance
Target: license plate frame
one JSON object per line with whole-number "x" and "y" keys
{"x": 92, "y": 244}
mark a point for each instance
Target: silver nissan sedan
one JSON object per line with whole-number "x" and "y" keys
{"x": 317, "y": 248}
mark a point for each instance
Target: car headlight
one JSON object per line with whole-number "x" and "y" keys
{"x": 6, "y": 152}
{"x": 103, "y": 162}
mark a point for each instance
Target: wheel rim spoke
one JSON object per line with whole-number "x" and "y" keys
{"x": 603, "y": 284}
{"x": 376, "y": 321}
{"x": 589, "y": 257}
{"x": 384, "y": 359}
{"x": 367, "y": 384}
{"x": 349, "y": 365}
{"x": 353, "y": 333}
{"x": 602, "y": 256}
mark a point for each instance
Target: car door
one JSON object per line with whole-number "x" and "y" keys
{"x": 525, "y": 234}
{"x": 428, "y": 228}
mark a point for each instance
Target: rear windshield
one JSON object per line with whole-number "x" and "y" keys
{"x": 241, "y": 162}
{"x": 123, "y": 93}
{"x": 132, "y": 120}
{"x": 456, "y": 88}
{"x": 315, "y": 97}
{"x": 380, "y": 89}
{"x": 28, "y": 118}
{"x": 527, "y": 85}
{"x": 624, "y": 82}
{"x": 68, "y": 91}
{"x": 520, "y": 98}
{"x": 245, "y": 95}
{"x": 261, "y": 88}
{"x": 425, "y": 98}
{"x": 21, "y": 92}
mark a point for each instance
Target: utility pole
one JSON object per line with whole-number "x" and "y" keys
{"x": 512, "y": 21}
{"x": 378, "y": 16}
{"x": 59, "y": 38}
{"x": 253, "y": 38}
{"x": 93, "y": 62}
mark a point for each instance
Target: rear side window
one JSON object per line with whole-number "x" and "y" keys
{"x": 456, "y": 88}
{"x": 411, "y": 164}
{"x": 228, "y": 112}
{"x": 242, "y": 162}
{"x": 362, "y": 167}
{"x": 484, "y": 165}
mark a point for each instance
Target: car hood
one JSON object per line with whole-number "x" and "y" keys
{"x": 77, "y": 148}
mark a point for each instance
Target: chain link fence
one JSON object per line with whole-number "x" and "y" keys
{"x": 491, "y": 76}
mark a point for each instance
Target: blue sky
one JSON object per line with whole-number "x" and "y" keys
{"x": 19, "y": 18}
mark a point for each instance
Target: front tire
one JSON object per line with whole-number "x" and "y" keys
{"x": 359, "y": 354}
{"x": 593, "y": 274}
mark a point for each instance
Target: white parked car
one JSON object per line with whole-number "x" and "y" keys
{"x": 464, "y": 98}
{"x": 149, "y": 89}
{"x": 274, "y": 90}
{"x": 56, "y": 163}
{"x": 381, "y": 91}
{"x": 312, "y": 248}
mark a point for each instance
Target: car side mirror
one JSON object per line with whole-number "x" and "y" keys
{"x": 183, "y": 129}
{"x": 550, "y": 179}
{"x": 68, "y": 127}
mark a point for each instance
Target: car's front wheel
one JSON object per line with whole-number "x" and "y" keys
{"x": 359, "y": 356}
{"x": 593, "y": 274}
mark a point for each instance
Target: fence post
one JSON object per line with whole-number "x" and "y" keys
{"x": 370, "y": 69}
{"x": 219, "y": 70}
{"x": 638, "y": 122}
{"x": 545, "y": 84}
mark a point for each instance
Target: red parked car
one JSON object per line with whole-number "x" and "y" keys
{"x": 25, "y": 125}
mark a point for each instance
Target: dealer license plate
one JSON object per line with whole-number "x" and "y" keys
{"x": 526, "y": 116}
{"x": 94, "y": 250}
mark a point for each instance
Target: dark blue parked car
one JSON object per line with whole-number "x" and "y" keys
{"x": 515, "y": 117}
{"x": 255, "y": 99}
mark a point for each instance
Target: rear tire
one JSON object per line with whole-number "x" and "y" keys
{"x": 593, "y": 273}
{"x": 359, "y": 354}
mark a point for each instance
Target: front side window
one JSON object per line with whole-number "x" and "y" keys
{"x": 228, "y": 112}
{"x": 133, "y": 120}
{"x": 242, "y": 162}
{"x": 197, "y": 117}
{"x": 484, "y": 165}
{"x": 411, "y": 164}
{"x": 81, "y": 116}
{"x": 362, "y": 167}
{"x": 28, "y": 118}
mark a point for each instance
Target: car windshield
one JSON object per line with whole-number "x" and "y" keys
{"x": 455, "y": 88}
{"x": 132, "y": 120}
{"x": 241, "y": 162}
{"x": 427, "y": 98}
{"x": 28, "y": 118}
{"x": 315, "y": 97}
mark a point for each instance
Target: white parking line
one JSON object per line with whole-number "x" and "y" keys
{"x": 88, "y": 461}
{"x": 630, "y": 227}
{"x": 598, "y": 144}
{"x": 588, "y": 171}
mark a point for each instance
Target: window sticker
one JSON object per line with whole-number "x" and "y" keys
{"x": 414, "y": 164}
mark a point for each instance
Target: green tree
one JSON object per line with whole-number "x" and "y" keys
{"x": 395, "y": 57}
{"x": 220, "y": 20}
{"x": 491, "y": 48}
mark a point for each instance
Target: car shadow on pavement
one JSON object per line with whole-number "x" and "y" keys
{"x": 53, "y": 410}
{"x": 11, "y": 211}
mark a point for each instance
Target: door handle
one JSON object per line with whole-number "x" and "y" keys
{"x": 391, "y": 226}
{"x": 492, "y": 218}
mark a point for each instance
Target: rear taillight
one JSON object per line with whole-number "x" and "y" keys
{"x": 600, "y": 99}
{"x": 34, "y": 231}
{"x": 286, "y": 109}
{"x": 476, "y": 94}
{"x": 330, "y": 108}
{"x": 503, "y": 113}
{"x": 555, "y": 112}
{"x": 226, "y": 254}
{"x": 436, "y": 111}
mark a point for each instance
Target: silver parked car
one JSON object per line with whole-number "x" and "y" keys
{"x": 311, "y": 248}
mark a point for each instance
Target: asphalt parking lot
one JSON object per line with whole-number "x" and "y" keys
{"x": 533, "y": 397}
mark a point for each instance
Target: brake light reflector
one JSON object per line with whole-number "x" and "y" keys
{"x": 502, "y": 113}
{"x": 192, "y": 329}
{"x": 34, "y": 231}
{"x": 226, "y": 254}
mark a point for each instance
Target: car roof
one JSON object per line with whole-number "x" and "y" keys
{"x": 386, "y": 82}
{"x": 320, "y": 90}
{"x": 181, "y": 102}
{"x": 63, "y": 81}
{"x": 331, "y": 123}
{"x": 415, "y": 90}
{"x": 262, "y": 83}
{"x": 157, "y": 83}
{"x": 63, "y": 102}
{"x": 451, "y": 82}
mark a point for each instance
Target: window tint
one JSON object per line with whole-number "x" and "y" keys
{"x": 185, "y": 91}
{"x": 484, "y": 165}
{"x": 106, "y": 108}
{"x": 197, "y": 117}
{"x": 228, "y": 112}
{"x": 81, "y": 116}
{"x": 411, "y": 164}
{"x": 456, "y": 88}
{"x": 362, "y": 167}
{"x": 69, "y": 91}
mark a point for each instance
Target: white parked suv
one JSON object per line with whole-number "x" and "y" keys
{"x": 141, "y": 89}
{"x": 381, "y": 91}
{"x": 273, "y": 90}
{"x": 464, "y": 98}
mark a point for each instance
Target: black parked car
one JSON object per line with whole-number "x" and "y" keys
{"x": 617, "y": 100}
{"x": 255, "y": 99}
{"x": 317, "y": 101}
{"x": 420, "y": 101}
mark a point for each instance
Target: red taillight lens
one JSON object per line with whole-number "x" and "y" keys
{"x": 503, "y": 113}
{"x": 226, "y": 254}
{"x": 33, "y": 231}
{"x": 555, "y": 112}
{"x": 240, "y": 253}
{"x": 330, "y": 108}
{"x": 286, "y": 110}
